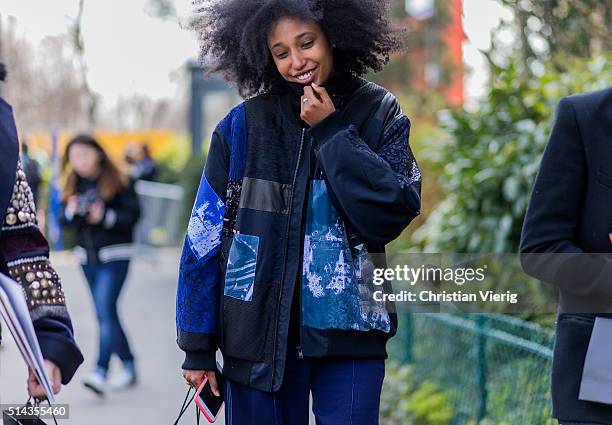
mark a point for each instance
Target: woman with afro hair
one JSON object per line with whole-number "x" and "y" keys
{"x": 305, "y": 183}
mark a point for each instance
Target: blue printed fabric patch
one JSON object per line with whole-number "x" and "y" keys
{"x": 241, "y": 265}
{"x": 206, "y": 223}
{"x": 334, "y": 295}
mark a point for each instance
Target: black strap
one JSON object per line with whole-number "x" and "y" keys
{"x": 185, "y": 406}
{"x": 37, "y": 403}
{"x": 52, "y": 414}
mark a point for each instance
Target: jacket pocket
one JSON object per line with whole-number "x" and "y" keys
{"x": 241, "y": 266}
{"x": 248, "y": 327}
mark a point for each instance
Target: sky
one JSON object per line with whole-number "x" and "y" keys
{"x": 127, "y": 51}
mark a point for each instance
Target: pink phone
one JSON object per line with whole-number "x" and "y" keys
{"x": 208, "y": 403}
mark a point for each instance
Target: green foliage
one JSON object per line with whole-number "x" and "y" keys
{"x": 574, "y": 28}
{"x": 513, "y": 388}
{"x": 430, "y": 405}
{"x": 491, "y": 156}
{"x": 171, "y": 162}
{"x": 404, "y": 400}
{"x": 190, "y": 181}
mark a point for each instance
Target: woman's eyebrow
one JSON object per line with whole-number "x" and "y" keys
{"x": 304, "y": 34}
{"x": 297, "y": 37}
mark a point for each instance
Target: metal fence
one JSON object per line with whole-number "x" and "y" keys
{"x": 495, "y": 367}
{"x": 161, "y": 206}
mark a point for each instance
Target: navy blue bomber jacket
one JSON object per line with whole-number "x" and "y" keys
{"x": 281, "y": 204}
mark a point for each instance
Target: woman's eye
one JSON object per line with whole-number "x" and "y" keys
{"x": 282, "y": 55}
{"x": 307, "y": 44}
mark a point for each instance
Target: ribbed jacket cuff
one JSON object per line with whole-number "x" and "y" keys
{"x": 64, "y": 353}
{"x": 200, "y": 360}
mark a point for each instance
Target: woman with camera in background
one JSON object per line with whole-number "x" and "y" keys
{"x": 100, "y": 203}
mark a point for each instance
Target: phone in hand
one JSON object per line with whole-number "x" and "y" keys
{"x": 208, "y": 403}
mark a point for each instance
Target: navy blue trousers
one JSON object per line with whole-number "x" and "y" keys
{"x": 344, "y": 392}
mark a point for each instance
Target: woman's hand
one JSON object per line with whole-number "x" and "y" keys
{"x": 316, "y": 105}
{"x": 96, "y": 212}
{"x": 71, "y": 205}
{"x": 55, "y": 376}
{"x": 194, "y": 378}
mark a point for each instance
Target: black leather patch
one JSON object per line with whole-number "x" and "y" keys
{"x": 265, "y": 195}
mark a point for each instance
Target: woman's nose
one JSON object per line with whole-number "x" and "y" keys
{"x": 298, "y": 61}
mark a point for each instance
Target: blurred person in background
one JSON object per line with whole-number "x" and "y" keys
{"x": 100, "y": 203}
{"x": 141, "y": 163}
{"x": 24, "y": 256}
{"x": 304, "y": 185}
{"x": 32, "y": 170}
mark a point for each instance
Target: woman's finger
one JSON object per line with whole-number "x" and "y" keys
{"x": 321, "y": 93}
{"x": 212, "y": 378}
{"x": 309, "y": 93}
{"x": 34, "y": 388}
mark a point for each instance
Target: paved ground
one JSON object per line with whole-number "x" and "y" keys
{"x": 147, "y": 308}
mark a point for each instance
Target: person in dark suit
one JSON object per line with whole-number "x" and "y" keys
{"x": 567, "y": 241}
{"x": 24, "y": 256}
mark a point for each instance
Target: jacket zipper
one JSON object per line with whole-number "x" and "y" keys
{"x": 301, "y": 268}
{"x": 280, "y": 293}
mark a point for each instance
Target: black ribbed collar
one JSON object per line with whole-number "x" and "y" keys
{"x": 340, "y": 87}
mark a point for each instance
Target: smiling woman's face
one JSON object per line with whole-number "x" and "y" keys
{"x": 301, "y": 51}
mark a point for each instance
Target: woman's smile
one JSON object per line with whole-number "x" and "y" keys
{"x": 308, "y": 77}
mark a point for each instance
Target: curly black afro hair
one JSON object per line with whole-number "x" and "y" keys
{"x": 233, "y": 36}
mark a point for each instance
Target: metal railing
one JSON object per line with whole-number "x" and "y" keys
{"x": 495, "y": 367}
{"x": 161, "y": 206}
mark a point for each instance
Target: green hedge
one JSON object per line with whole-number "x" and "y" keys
{"x": 490, "y": 157}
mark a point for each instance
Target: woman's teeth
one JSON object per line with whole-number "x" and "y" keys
{"x": 305, "y": 77}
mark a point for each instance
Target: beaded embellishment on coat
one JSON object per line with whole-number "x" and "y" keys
{"x": 234, "y": 189}
{"x": 40, "y": 282}
{"x": 21, "y": 211}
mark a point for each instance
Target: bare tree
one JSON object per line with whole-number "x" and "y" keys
{"x": 79, "y": 50}
{"x": 43, "y": 84}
